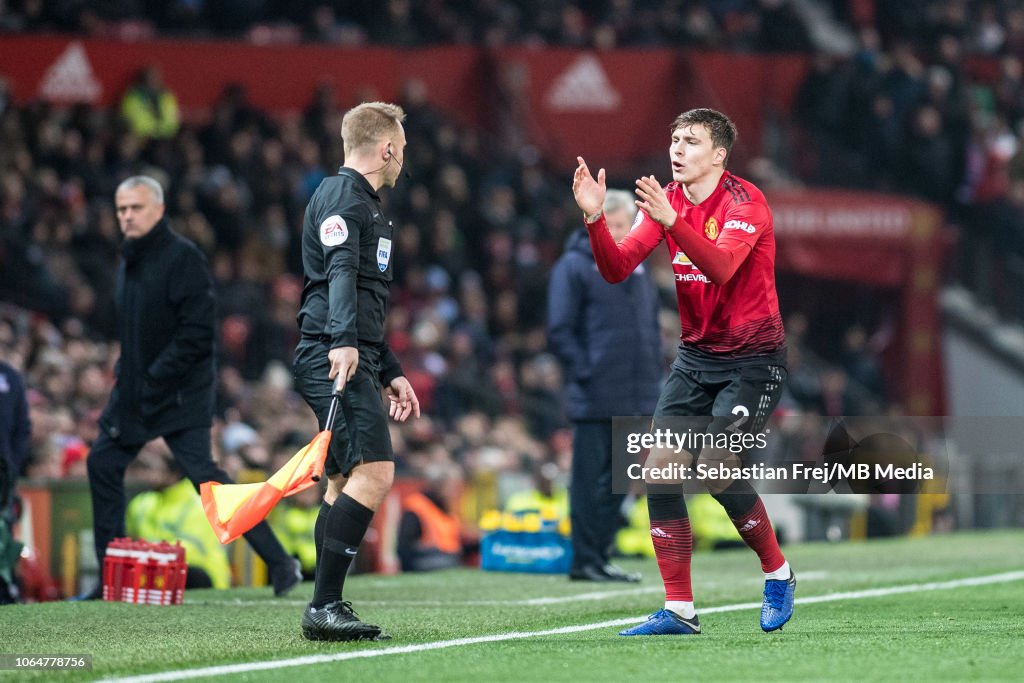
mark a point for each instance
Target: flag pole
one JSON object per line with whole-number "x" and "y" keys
{"x": 332, "y": 412}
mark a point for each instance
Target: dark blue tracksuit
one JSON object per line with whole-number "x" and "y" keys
{"x": 608, "y": 341}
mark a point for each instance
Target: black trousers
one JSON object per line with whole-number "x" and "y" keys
{"x": 107, "y": 462}
{"x": 594, "y": 510}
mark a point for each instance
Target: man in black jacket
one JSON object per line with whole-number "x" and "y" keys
{"x": 165, "y": 376}
{"x": 590, "y": 325}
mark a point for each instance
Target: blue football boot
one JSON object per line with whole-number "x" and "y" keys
{"x": 777, "y": 607}
{"x": 664, "y": 623}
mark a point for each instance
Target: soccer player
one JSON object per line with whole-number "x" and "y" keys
{"x": 730, "y": 363}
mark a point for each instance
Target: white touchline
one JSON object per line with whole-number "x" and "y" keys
{"x": 517, "y": 635}
{"x": 529, "y": 602}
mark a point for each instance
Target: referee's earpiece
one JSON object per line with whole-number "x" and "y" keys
{"x": 389, "y": 153}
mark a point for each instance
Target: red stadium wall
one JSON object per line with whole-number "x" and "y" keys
{"x": 277, "y": 78}
{"x": 612, "y": 106}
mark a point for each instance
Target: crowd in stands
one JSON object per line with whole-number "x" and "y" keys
{"x": 732, "y": 24}
{"x": 919, "y": 96}
{"x": 930, "y": 103}
{"x": 986, "y": 27}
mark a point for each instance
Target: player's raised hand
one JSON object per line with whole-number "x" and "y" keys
{"x": 589, "y": 193}
{"x": 653, "y": 201}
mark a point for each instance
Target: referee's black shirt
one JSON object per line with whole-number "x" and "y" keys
{"x": 346, "y": 260}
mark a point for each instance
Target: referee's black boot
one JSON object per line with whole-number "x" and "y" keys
{"x": 337, "y": 621}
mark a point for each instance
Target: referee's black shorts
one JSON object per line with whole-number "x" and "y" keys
{"x": 743, "y": 396}
{"x": 361, "y": 427}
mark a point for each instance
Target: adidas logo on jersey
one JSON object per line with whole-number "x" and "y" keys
{"x": 658, "y": 533}
{"x": 749, "y": 525}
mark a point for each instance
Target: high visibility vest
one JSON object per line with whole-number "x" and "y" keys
{"x": 440, "y": 530}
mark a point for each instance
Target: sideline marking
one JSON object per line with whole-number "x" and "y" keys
{"x": 307, "y": 660}
{"x": 530, "y": 602}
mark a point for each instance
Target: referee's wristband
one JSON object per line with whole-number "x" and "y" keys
{"x": 592, "y": 218}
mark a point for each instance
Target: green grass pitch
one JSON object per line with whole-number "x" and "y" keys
{"x": 928, "y": 632}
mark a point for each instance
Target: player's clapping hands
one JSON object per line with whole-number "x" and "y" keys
{"x": 589, "y": 192}
{"x": 653, "y": 200}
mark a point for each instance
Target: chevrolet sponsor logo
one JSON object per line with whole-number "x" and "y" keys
{"x": 692, "y": 277}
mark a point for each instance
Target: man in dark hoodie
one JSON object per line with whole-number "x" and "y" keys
{"x": 165, "y": 375}
{"x": 590, "y": 325}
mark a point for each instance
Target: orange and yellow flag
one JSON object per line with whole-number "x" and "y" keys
{"x": 233, "y": 509}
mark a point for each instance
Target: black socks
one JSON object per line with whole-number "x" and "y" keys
{"x": 318, "y": 529}
{"x": 342, "y": 526}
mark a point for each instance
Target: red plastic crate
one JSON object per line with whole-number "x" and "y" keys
{"x": 144, "y": 573}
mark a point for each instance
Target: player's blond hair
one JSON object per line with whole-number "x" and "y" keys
{"x": 368, "y": 123}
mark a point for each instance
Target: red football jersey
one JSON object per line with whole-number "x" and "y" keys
{"x": 739, "y": 317}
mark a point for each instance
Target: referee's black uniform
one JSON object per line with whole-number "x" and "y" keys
{"x": 347, "y": 264}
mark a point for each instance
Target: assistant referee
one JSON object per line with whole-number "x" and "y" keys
{"x": 346, "y": 259}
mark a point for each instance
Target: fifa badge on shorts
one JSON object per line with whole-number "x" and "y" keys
{"x": 383, "y": 253}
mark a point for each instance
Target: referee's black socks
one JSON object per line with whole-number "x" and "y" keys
{"x": 318, "y": 529}
{"x": 343, "y": 530}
